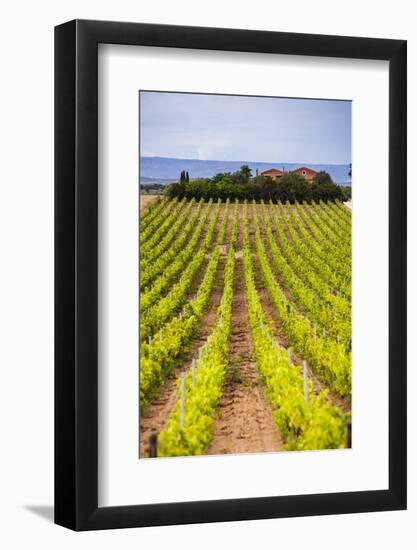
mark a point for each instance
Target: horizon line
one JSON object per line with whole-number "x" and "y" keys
{"x": 247, "y": 161}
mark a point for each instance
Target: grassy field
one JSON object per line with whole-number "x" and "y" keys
{"x": 245, "y": 318}
{"x": 145, "y": 200}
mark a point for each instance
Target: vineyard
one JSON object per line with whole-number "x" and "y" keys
{"x": 245, "y": 327}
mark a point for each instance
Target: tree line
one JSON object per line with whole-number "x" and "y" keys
{"x": 242, "y": 185}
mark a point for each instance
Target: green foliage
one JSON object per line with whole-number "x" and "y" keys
{"x": 158, "y": 314}
{"x": 331, "y": 360}
{"x": 152, "y": 222}
{"x": 312, "y": 425}
{"x": 337, "y": 258}
{"x": 153, "y": 247}
{"x": 293, "y": 187}
{"x": 152, "y": 189}
{"x": 304, "y": 257}
{"x": 151, "y": 211}
{"x": 202, "y": 397}
{"x": 151, "y": 269}
{"x": 245, "y": 173}
{"x": 160, "y": 354}
{"x": 176, "y": 190}
{"x": 324, "y": 192}
{"x": 322, "y": 177}
{"x": 341, "y": 230}
{"x": 309, "y": 253}
{"x": 203, "y": 389}
{"x": 346, "y": 192}
{"x": 241, "y": 186}
{"x": 331, "y": 312}
{"x": 174, "y": 263}
{"x": 184, "y": 177}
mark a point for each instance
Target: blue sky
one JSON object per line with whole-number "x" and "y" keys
{"x": 216, "y": 127}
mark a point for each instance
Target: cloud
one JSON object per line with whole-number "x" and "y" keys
{"x": 245, "y": 128}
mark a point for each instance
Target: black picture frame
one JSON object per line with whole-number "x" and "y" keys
{"x": 76, "y": 272}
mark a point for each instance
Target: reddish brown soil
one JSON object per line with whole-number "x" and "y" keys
{"x": 245, "y": 421}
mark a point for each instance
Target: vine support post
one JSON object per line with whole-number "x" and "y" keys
{"x": 182, "y": 396}
{"x": 193, "y": 370}
{"x": 305, "y": 374}
{"x": 349, "y": 435}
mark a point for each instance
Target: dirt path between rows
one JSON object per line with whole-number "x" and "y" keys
{"x": 157, "y": 413}
{"x": 245, "y": 420}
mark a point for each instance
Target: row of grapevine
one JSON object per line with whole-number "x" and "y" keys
{"x": 188, "y": 430}
{"x": 325, "y": 250}
{"x": 311, "y": 424}
{"x": 222, "y": 231}
{"x": 175, "y": 267}
{"x": 343, "y": 246}
{"x": 163, "y": 231}
{"x": 157, "y": 315}
{"x": 341, "y": 251}
{"x": 300, "y": 256}
{"x": 309, "y": 251}
{"x": 153, "y": 250}
{"x": 342, "y": 211}
{"x": 161, "y": 353}
{"x": 331, "y": 311}
{"x": 151, "y": 211}
{"x": 336, "y": 216}
{"x": 149, "y": 230}
{"x": 339, "y": 231}
{"x": 150, "y": 270}
{"x": 330, "y": 359}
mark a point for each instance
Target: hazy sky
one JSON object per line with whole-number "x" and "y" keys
{"x": 216, "y": 127}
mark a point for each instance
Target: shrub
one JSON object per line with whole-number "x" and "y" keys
{"x": 239, "y": 185}
{"x": 323, "y": 177}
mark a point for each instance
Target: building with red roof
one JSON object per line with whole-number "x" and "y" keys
{"x": 273, "y": 173}
{"x": 304, "y": 171}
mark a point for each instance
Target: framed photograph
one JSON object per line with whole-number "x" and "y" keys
{"x": 230, "y": 254}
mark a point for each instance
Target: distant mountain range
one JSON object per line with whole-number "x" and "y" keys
{"x": 166, "y": 170}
